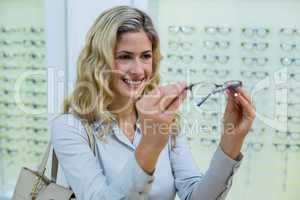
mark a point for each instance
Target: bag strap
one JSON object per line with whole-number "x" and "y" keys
{"x": 42, "y": 167}
{"x": 91, "y": 140}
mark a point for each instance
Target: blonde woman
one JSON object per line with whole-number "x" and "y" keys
{"x": 141, "y": 152}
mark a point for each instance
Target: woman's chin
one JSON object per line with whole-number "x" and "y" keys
{"x": 131, "y": 94}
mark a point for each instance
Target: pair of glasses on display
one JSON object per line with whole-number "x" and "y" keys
{"x": 292, "y": 105}
{"x": 288, "y": 134}
{"x": 34, "y": 154}
{"x": 254, "y": 74}
{"x": 23, "y": 30}
{"x": 293, "y": 92}
{"x": 213, "y": 59}
{"x": 255, "y": 61}
{"x": 201, "y": 91}
{"x": 220, "y": 30}
{"x": 39, "y": 105}
{"x": 35, "y": 94}
{"x": 24, "y": 43}
{"x": 288, "y": 118}
{"x": 208, "y": 142}
{"x": 31, "y": 56}
{"x": 24, "y": 128}
{"x": 34, "y": 141}
{"x": 9, "y": 156}
{"x": 36, "y": 81}
{"x": 36, "y": 130}
{"x": 255, "y": 46}
{"x": 257, "y": 131}
{"x": 6, "y": 92}
{"x": 290, "y": 47}
{"x": 209, "y": 116}
{"x": 290, "y": 31}
{"x": 295, "y": 76}
{"x": 35, "y": 67}
{"x": 214, "y": 44}
{"x": 220, "y": 73}
{"x": 253, "y": 146}
{"x": 208, "y": 128}
{"x": 13, "y": 105}
{"x": 4, "y": 116}
{"x": 174, "y": 45}
{"x": 6, "y": 151}
{"x": 21, "y": 67}
{"x": 185, "y": 59}
{"x": 286, "y": 61}
{"x": 177, "y": 71}
{"x": 196, "y": 127}
{"x": 252, "y": 32}
{"x": 186, "y": 30}
{"x": 284, "y": 147}
{"x": 182, "y": 71}
{"x": 11, "y": 67}
{"x": 31, "y": 119}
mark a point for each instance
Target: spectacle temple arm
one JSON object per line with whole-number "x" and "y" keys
{"x": 204, "y": 99}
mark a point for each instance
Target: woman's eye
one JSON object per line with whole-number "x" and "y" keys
{"x": 124, "y": 57}
{"x": 147, "y": 56}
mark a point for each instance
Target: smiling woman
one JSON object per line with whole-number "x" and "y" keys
{"x": 135, "y": 121}
{"x": 119, "y": 46}
{"x": 134, "y": 62}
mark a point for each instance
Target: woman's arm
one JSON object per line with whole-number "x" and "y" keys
{"x": 84, "y": 172}
{"x": 238, "y": 118}
{"x": 191, "y": 184}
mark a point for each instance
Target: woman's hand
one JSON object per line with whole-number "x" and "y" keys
{"x": 156, "y": 111}
{"x": 157, "y": 115}
{"x": 238, "y": 118}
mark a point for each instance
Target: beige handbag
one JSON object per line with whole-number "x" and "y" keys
{"x": 34, "y": 185}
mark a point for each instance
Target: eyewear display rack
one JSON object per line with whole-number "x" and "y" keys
{"x": 257, "y": 42}
{"x": 23, "y": 88}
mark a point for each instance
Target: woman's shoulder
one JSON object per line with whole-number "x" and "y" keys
{"x": 66, "y": 124}
{"x": 66, "y": 119}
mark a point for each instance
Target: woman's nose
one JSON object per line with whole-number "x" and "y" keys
{"x": 137, "y": 66}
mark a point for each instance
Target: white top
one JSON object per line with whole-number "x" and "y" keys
{"x": 114, "y": 174}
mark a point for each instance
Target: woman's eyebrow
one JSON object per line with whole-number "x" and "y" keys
{"x": 148, "y": 51}
{"x": 127, "y": 52}
{"x": 132, "y": 53}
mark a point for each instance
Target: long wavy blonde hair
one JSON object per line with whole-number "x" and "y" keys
{"x": 92, "y": 95}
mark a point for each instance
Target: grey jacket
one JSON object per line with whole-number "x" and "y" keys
{"x": 114, "y": 174}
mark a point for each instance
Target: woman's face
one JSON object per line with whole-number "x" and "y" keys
{"x": 133, "y": 63}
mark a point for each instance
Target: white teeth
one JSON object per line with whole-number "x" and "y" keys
{"x": 131, "y": 82}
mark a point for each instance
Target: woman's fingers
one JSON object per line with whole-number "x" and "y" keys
{"x": 155, "y": 95}
{"x": 232, "y": 103}
{"x": 176, "y": 103}
{"x": 244, "y": 94}
{"x": 162, "y": 99}
{"x": 170, "y": 95}
{"x": 146, "y": 103}
{"x": 248, "y": 108}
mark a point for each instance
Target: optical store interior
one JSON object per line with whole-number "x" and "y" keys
{"x": 255, "y": 41}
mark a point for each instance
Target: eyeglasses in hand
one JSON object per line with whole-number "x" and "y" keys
{"x": 208, "y": 89}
